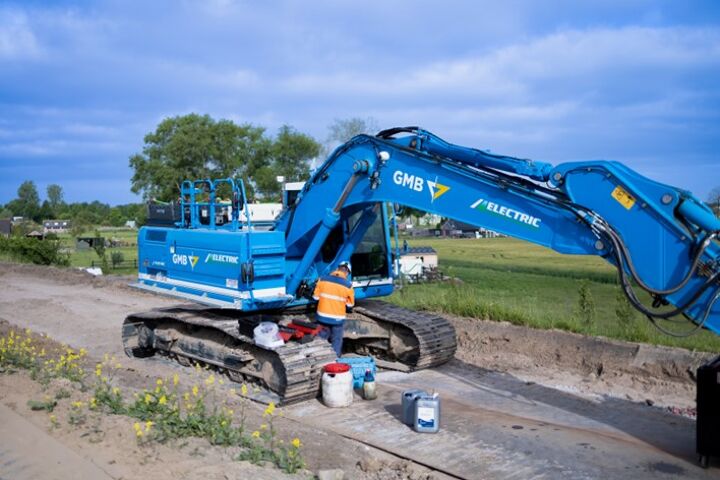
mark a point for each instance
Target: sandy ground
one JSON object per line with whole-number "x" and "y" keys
{"x": 84, "y": 311}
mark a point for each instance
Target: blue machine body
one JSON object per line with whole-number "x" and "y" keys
{"x": 660, "y": 236}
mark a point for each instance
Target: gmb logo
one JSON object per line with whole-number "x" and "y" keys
{"x": 416, "y": 183}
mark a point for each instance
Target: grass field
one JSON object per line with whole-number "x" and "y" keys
{"x": 86, "y": 257}
{"x": 511, "y": 280}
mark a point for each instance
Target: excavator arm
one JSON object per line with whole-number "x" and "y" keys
{"x": 662, "y": 239}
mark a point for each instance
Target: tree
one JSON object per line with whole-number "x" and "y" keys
{"x": 290, "y": 156}
{"x": 341, "y": 131}
{"x": 196, "y": 146}
{"x": 27, "y": 203}
{"x": 45, "y": 212}
{"x": 713, "y": 200}
{"x": 55, "y": 196}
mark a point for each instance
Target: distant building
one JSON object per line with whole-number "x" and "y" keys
{"x": 5, "y": 227}
{"x": 131, "y": 224}
{"x": 453, "y": 228}
{"x": 56, "y": 226}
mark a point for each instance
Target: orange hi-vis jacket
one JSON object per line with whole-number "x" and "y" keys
{"x": 333, "y": 293}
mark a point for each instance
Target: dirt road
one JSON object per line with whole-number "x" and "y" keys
{"x": 517, "y": 403}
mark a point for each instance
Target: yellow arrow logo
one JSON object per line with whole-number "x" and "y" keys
{"x": 436, "y": 189}
{"x": 193, "y": 261}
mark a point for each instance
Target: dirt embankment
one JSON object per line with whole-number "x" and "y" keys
{"x": 590, "y": 365}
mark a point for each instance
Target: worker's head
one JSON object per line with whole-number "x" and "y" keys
{"x": 344, "y": 268}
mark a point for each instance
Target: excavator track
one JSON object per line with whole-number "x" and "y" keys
{"x": 434, "y": 337}
{"x": 190, "y": 334}
{"x": 400, "y": 339}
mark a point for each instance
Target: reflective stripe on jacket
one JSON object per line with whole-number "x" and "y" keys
{"x": 333, "y": 294}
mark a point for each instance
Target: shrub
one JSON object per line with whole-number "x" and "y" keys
{"x": 40, "y": 252}
{"x": 116, "y": 258}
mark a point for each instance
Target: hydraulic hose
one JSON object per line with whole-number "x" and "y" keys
{"x": 619, "y": 251}
{"x": 683, "y": 282}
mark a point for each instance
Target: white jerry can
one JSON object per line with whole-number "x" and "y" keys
{"x": 427, "y": 414}
{"x": 337, "y": 385}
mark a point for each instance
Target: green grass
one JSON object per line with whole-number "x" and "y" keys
{"x": 514, "y": 281}
{"x": 85, "y": 257}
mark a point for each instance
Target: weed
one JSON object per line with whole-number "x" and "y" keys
{"x": 48, "y": 405}
{"x": 61, "y": 394}
{"x": 586, "y": 305}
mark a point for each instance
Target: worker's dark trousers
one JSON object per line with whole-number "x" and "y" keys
{"x": 335, "y": 334}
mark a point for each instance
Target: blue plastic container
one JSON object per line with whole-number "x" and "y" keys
{"x": 359, "y": 365}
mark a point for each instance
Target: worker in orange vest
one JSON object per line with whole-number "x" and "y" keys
{"x": 334, "y": 294}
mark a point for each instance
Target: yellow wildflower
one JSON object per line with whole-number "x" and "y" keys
{"x": 296, "y": 443}
{"x": 138, "y": 433}
{"x": 210, "y": 380}
{"x": 93, "y": 402}
{"x": 148, "y": 424}
{"x": 116, "y": 391}
{"x": 270, "y": 409}
{"x": 263, "y": 426}
{"x": 176, "y": 380}
{"x": 186, "y": 396}
{"x": 243, "y": 389}
{"x": 77, "y": 404}
{"x": 159, "y": 382}
{"x": 148, "y": 398}
{"x": 256, "y": 434}
{"x": 195, "y": 390}
{"x": 163, "y": 400}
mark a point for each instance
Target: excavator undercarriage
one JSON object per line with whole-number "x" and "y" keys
{"x": 399, "y": 339}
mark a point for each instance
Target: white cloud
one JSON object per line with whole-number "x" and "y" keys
{"x": 17, "y": 40}
{"x": 511, "y": 70}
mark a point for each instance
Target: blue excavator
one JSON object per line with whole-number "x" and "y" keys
{"x": 236, "y": 272}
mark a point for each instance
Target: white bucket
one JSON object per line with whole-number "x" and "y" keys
{"x": 337, "y": 389}
{"x": 267, "y": 335}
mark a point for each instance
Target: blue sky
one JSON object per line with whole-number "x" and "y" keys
{"x": 82, "y": 82}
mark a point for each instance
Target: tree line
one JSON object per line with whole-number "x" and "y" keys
{"x": 28, "y": 205}
{"x": 193, "y": 147}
